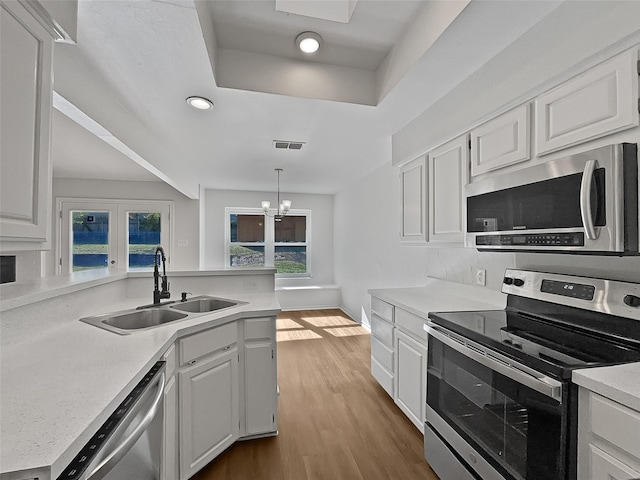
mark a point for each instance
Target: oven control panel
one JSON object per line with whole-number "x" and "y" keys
{"x": 599, "y": 295}
{"x": 568, "y": 289}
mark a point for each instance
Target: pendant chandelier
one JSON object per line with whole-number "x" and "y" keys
{"x": 283, "y": 207}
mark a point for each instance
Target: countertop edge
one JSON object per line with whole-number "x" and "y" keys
{"x": 17, "y": 295}
{"x": 613, "y": 382}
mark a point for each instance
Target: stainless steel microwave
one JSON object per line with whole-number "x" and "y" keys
{"x": 583, "y": 203}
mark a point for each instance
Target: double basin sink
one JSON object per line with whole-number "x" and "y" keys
{"x": 130, "y": 321}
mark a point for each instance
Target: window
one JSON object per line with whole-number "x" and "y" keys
{"x": 253, "y": 239}
{"x": 101, "y": 234}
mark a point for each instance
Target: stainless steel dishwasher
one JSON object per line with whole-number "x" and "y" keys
{"x": 129, "y": 444}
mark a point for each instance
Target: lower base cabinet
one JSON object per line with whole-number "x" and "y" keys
{"x": 608, "y": 439}
{"x": 225, "y": 388}
{"x": 399, "y": 357}
{"x": 170, "y": 465}
{"x": 209, "y": 413}
{"x": 410, "y": 378}
{"x": 260, "y": 377}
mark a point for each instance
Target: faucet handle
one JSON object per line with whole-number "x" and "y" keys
{"x": 184, "y": 296}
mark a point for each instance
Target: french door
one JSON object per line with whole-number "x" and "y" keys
{"x": 111, "y": 234}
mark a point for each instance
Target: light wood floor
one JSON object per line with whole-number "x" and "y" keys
{"x": 335, "y": 421}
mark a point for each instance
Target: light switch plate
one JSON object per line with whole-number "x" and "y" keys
{"x": 481, "y": 276}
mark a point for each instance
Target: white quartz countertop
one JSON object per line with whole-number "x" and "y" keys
{"x": 441, "y": 296}
{"x": 620, "y": 383}
{"x": 59, "y": 385}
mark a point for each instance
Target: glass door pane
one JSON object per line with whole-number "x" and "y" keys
{"x": 143, "y": 238}
{"x": 89, "y": 240}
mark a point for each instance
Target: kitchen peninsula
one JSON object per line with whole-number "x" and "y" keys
{"x": 61, "y": 378}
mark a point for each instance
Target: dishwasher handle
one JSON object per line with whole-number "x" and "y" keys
{"x": 112, "y": 459}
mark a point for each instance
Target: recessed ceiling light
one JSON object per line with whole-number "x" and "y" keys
{"x": 308, "y": 42}
{"x": 200, "y": 103}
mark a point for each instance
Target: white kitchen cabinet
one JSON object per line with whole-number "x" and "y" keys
{"x": 399, "y": 357}
{"x": 413, "y": 180}
{"x": 598, "y": 102}
{"x": 447, "y": 175}
{"x": 25, "y": 94}
{"x": 502, "y": 141}
{"x": 209, "y": 396}
{"x": 260, "y": 377}
{"x": 608, "y": 439}
{"x": 382, "y": 314}
{"x": 170, "y": 465}
{"x": 410, "y": 377}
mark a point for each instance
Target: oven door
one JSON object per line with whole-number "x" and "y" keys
{"x": 500, "y": 418}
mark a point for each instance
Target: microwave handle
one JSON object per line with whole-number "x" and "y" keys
{"x": 585, "y": 200}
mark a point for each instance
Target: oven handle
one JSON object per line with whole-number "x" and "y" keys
{"x": 499, "y": 363}
{"x": 585, "y": 200}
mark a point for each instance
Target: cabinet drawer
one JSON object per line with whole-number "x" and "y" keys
{"x": 382, "y": 353}
{"x": 382, "y": 330}
{"x": 258, "y": 328}
{"x": 382, "y": 375}
{"x": 382, "y": 309}
{"x": 412, "y": 324}
{"x": 209, "y": 341}
{"x": 616, "y": 424}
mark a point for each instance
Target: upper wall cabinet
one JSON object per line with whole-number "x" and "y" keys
{"x": 502, "y": 141}
{"x": 25, "y": 95}
{"x": 603, "y": 100}
{"x": 448, "y": 174}
{"x": 413, "y": 182}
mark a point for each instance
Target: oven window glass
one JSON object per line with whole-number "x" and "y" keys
{"x": 516, "y": 429}
{"x": 550, "y": 204}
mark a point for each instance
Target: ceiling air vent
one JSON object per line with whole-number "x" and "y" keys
{"x": 286, "y": 145}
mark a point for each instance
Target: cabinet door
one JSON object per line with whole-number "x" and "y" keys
{"x": 261, "y": 387}
{"x": 606, "y": 467}
{"x": 209, "y": 415}
{"x": 448, "y": 174}
{"x": 603, "y": 100}
{"x": 410, "y": 378}
{"x": 414, "y": 205}
{"x": 169, "y": 469}
{"x": 260, "y": 376}
{"x": 25, "y": 96}
{"x": 503, "y": 141}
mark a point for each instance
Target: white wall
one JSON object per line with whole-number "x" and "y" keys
{"x": 321, "y": 206}
{"x": 185, "y": 221}
{"x": 369, "y": 254}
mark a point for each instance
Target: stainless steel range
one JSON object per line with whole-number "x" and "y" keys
{"x": 500, "y": 401}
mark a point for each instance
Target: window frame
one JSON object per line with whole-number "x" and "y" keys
{"x": 118, "y": 228}
{"x": 269, "y": 238}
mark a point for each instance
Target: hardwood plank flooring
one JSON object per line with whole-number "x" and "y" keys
{"x": 335, "y": 421}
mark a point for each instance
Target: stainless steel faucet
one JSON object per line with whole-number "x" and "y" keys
{"x": 157, "y": 293}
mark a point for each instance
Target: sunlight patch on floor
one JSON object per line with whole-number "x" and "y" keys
{"x": 286, "y": 323}
{"x": 328, "y": 321}
{"x": 347, "y": 331}
{"x": 289, "y": 335}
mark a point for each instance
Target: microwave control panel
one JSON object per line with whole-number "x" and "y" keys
{"x": 532, "y": 240}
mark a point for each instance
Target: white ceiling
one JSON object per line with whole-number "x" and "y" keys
{"x": 136, "y": 61}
